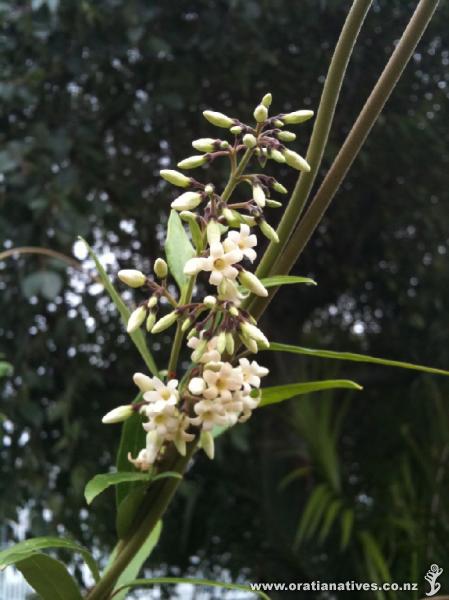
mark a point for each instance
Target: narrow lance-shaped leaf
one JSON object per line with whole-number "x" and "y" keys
{"x": 178, "y": 249}
{"x": 101, "y": 482}
{"x": 278, "y": 393}
{"x": 137, "y": 336}
{"x": 49, "y": 578}
{"x": 278, "y": 280}
{"x": 27, "y": 548}
{"x": 274, "y": 346}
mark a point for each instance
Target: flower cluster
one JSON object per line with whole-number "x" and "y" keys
{"x": 220, "y": 388}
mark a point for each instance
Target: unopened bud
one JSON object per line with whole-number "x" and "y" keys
{"x": 152, "y": 302}
{"x": 267, "y": 100}
{"x": 165, "y": 322}
{"x": 209, "y": 188}
{"x": 218, "y": 119}
{"x": 160, "y": 268}
{"x": 175, "y": 177}
{"x": 298, "y": 116}
{"x": 119, "y": 414}
{"x": 252, "y": 332}
{"x": 207, "y": 444}
{"x": 236, "y": 130}
{"x": 230, "y": 345}
{"x": 132, "y": 277}
{"x": 249, "y": 343}
{"x": 186, "y": 201}
{"x": 221, "y": 342}
{"x": 205, "y": 144}
{"x": 293, "y": 159}
{"x": 213, "y": 232}
{"x": 252, "y": 283}
{"x": 199, "y": 351}
{"x": 231, "y": 217}
{"x": 268, "y": 231}
{"x": 151, "y": 320}
{"x": 273, "y": 203}
{"x": 196, "y": 386}
{"x": 234, "y": 311}
{"x": 210, "y": 301}
{"x": 136, "y": 318}
{"x": 143, "y": 382}
{"x": 278, "y": 123}
{"x": 278, "y": 187}
{"x": 259, "y": 195}
{"x": 286, "y": 136}
{"x": 186, "y": 324}
{"x": 260, "y": 113}
{"x": 277, "y": 156}
{"x": 249, "y": 140}
{"x": 251, "y": 221}
{"x": 193, "y": 161}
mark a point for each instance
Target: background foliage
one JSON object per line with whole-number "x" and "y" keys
{"x": 95, "y": 98}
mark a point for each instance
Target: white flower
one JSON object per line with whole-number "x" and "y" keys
{"x": 219, "y": 263}
{"x": 162, "y": 394}
{"x": 197, "y": 386}
{"x": 143, "y": 382}
{"x": 228, "y": 290}
{"x": 222, "y": 379}
{"x": 249, "y": 403}
{"x": 147, "y": 456}
{"x": 164, "y": 419}
{"x": 210, "y": 413}
{"x": 243, "y": 240}
{"x": 251, "y": 372}
{"x": 181, "y": 436}
{"x": 210, "y": 354}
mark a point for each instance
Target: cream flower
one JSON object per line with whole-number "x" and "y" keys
{"x": 249, "y": 404}
{"x": 164, "y": 420}
{"x": 162, "y": 394}
{"x": 252, "y": 372}
{"x": 147, "y": 456}
{"x": 222, "y": 379}
{"x": 211, "y": 353}
{"x": 210, "y": 413}
{"x": 219, "y": 263}
{"x": 243, "y": 240}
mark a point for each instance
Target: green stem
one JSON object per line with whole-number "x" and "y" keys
{"x": 233, "y": 180}
{"x": 351, "y": 147}
{"x": 186, "y": 297}
{"x": 320, "y": 133}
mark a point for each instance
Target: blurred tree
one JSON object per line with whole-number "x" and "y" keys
{"x": 95, "y": 97}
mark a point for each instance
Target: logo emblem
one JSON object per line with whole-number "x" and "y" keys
{"x": 431, "y": 576}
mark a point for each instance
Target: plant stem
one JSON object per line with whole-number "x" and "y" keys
{"x": 320, "y": 133}
{"x": 233, "y": 180}
{"x": 351, "y": 147}
{"x": 186, "y": 297}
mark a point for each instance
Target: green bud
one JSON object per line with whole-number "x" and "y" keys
{"x": 278, "y": 123}
{"x": 249, "y": 343}
{"x": 293, "y": 159}
{"x": 199, "y": 351}
{"x": 230, "y": 346}
{"x": 136, "y": 318}
{"x": 132, "y": 277}
{"x": 193, "y": 161}
{"x": 207, "y": 444}
{"x": 118, "y": 415}
{"x": 160, "y": 268}
{"x": 278, "y": 187}
{"x": 186, "y": 324}
{"x": 152, "y": 302}
{"x": 260, "y": 113}
{"x": 273, "y": 203}
{"x": 268, "y": 231}
{"x": 165, "y": 322}
{"x": 267, "y": 100}
{"x": 213, "y": 232}
{"x": 277, "y": 156}
{"x": 221, "y": 342}
{"x": 286, "y": 136}
{"x": 187, "y": 201}
{"x": 234, "y": 311}
{"x": 252, "y": 283}
{"x": 209, "y": 188}
{"x": 259, "y": 195}
{"x": 298, "y": 116}
{"x": 204, "y": 144}
{"x": 175, "y": 177}
{"x": 249, "y": 140}
{"x": 210, "y": 301}
{"x": 218, "y": 119}
{"x": 231, "y": 218}
{"x": 151, "y": 319}
{"x": 236, "y": 130}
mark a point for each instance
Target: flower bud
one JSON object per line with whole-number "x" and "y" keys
{"x": 213, "y": 232}
{"x": 234, "y": 311}
{"x": 152, "y": 302}
{"x": 186, "y": 324}
{"x": 249, "y": 140}
{"x": 151, "y": 319}
{"x": 193, "y": 161}
{"x": 299, "y": 116}
{"x": 278, "y": 123}
{"x": 273, "y": 203}
{"x": 205, "y": 144}
{"x": 196, "y": 386}
{"x": 286, "y": 136}
{"x": 175, "y": 177}
{"x": 230, "y": 346}
{"x": 236, "y": 130}
{"x": 231, "y": 217}
{"x": 260, "y": 113}
{"x": 251, "y": 221}
{"x": 119, "y": 414}
{"x": 199, "y": 351}
{"x": 277, "y": 156}
{"x": 132, "y": 277}
{"x": 165, "y": 322}
{"x": 136, "y": 318}
{"x": 207, "y": 444}
{"x": 252, "y": 283}
{"x": 278, "y": 187}
{"x": 267, "y": 100}
{"x": 210, "y": 301}
{"x": 249, "y": 343}
{"x": 252, "y": 332}
{"x": 293, "y": 159}
{"x": 143, "y": 382}
{"x": 218, "y": 119}
{"x": 221, "y": 342}
{"x": 259, "y": 195}
{"x": 186, "y": 201}
{"x": 209, "y": 188}
{"x": 268, "y": 231}
{"x": 160, "y": 268}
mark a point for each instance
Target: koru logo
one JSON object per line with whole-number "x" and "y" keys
{"x": 431, "y": 576}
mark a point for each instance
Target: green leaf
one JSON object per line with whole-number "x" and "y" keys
{"x": 132, "y": 570}
{"x": 137, "y": 336}
{"x": 5, "y": 369}
{"x": 132, "y": 439}
{"x": 192, "y": 581}
{"x": 354, "y": 357}
{"x": 347, "y": 522}
{"x": 278, "y": 280}
{"x": 329, "y": 519}
{"x": 312, "y": 514}
{"x": 278, "y": 393}
{"x": 374, "y": 554}
{"x": 49, "y": 578}
{"x": 293, "y": 476}
{"x": 101, "y": 482}
{"x": 27, "y": 548}
{"x": 178, "y": 249}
